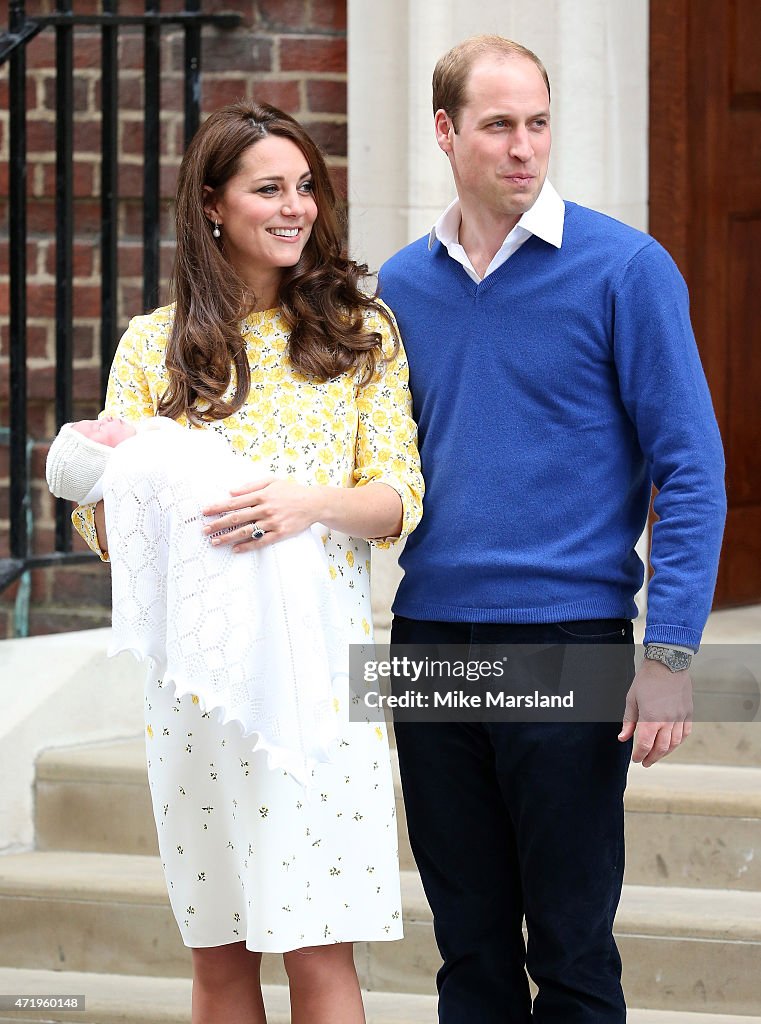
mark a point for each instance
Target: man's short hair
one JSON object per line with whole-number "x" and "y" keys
{"x": 450, "y": 76}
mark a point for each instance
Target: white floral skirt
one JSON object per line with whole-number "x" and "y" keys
{"x": 250, "y": 855}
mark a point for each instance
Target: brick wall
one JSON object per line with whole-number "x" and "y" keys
{"x": 291, "y": 53}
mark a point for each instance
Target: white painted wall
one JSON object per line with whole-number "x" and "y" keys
{"x": 597, "y": 57}
{"x": 596, "y": 54}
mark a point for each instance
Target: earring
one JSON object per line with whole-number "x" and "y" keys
{"x": 216, "y": 232}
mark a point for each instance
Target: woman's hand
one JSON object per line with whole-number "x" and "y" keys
{"x": 283, "y": 509}
{"x": 278, "y": 507}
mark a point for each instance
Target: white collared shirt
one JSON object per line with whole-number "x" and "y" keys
{"x": 544, "y": 219}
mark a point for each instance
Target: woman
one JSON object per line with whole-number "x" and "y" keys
{"x": 272, "y": 344}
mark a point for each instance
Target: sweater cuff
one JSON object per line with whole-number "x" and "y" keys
{"x": 681, "y": 636}
{"x": 83, "y": 519}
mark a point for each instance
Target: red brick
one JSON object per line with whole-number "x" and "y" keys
{"x": 329, "y": 14}
{"x": 86, "y": 181}
{"x": 87, "y": 50}
{"x": 172, "y": 93}
{"x": 130, "y": 258}
{"x": 40, "y": 419}
{"x": 41, "y": 299}
{"x": 131, "y": 218}
{"x": 131, "y": 183}
{"x": 40, "y": 52}
{"x": 130, "y": 93}
{"x": 279, "y": 14}
{"x": 40, "y": 217}
{"x": 326, "y": 97}
{"x": 166, "y": 260}
{"x": 87, "y": 136}
{"x": 131, "y": 138}
{"x": 242, "y": 7}
{"x": 81, "y": 93}
{"x": 87, "y": 217}
{"x": 82, "y": 585}
{"x": 218, "y": 92}
{"x": 224, "y": 51}
{"x": 40, "y": 136}
{"x": 43, "y": 621}
{"x": 37, "y": 342}
{"x": 330, "y": 136}
{"x": 131, "y": 50}
{"x": 83, "y": 253}
{"x": 87, "y": 300}
{"x": 285, "y": 95}
{"x": 8, "y": 596}
{"x": 305, "y": 54}
{"x": 85, "y": 411}
{"x": 169, "y": 178}
{"x": 131, "y": 299}
{"x": 39, "y": 457}
{"x": 41, "y": 385}
{"x": 84, "y": 341}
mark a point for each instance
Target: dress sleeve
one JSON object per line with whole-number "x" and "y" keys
{"x": 129, "y": 396}
{"x": 386, "y": 433}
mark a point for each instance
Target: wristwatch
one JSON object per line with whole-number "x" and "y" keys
{"x": 674, "y": 658}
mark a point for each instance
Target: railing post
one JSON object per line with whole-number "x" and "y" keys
{"x": 19, "y": 489}
{"x": 64, "y": 264}
{"x": 192, "y": 72}
{"x": 151, "y": 160}
{"x": 108, "y": 192}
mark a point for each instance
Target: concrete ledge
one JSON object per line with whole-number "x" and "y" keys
{"x": 58, "y": 690}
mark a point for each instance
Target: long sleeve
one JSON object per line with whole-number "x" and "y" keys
{"x": 129, "y": 395}
{"x": 387, "y": 436}
{"x": 664, "y": 390}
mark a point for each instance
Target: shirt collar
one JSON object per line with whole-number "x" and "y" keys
{"x": 544, "y": 219}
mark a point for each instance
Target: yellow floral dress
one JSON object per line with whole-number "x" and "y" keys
{"x": 248, "y": 854}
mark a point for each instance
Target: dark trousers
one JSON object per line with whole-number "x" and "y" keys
{"x": 514, "y": 819}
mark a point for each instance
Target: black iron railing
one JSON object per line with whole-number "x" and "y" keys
{"x": 64, "y": 22}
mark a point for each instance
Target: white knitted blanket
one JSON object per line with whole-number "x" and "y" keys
{"x": 257, "y": 636}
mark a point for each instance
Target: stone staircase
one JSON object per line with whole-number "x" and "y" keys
{"x": 86, "y": 911}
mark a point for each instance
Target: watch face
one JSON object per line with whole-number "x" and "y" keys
{"x": 678, "y": 660}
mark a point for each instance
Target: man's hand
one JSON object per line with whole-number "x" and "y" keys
{"x": 659, "y": 706}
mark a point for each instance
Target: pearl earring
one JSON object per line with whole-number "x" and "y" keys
{"x": 216, "y": 232}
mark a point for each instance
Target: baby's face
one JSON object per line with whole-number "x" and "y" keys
{"x": 110, "y": 430}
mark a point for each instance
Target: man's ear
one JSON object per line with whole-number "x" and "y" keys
{"x": 444, "y": 127}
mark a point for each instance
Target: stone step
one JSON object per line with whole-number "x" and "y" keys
{"x": 683, "y": 949}
{"x": 694, "y": 825}
{"x": 729, "y": 743}
{"x": 689, "y": 825}
{"x": 127, "y": 999}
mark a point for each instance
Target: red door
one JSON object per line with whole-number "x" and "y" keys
{"x": 705, "y": 207}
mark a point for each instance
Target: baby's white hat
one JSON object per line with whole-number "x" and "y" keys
{"x": 75, "y": 464}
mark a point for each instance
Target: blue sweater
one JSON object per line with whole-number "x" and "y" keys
{"x": 548, "y": 397}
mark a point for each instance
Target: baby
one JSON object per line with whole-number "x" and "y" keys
{"x": 79, "y": 455}
{"x": 256, "y": 635}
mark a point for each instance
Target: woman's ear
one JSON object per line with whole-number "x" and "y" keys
{"x": 209, "y": 203}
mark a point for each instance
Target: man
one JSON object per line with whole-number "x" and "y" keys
{"x": 555, "y": 377}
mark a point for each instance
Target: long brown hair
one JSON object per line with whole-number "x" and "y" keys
{"x": 320, "y": 297}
